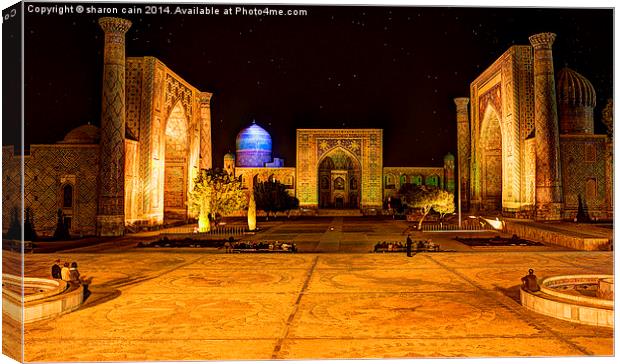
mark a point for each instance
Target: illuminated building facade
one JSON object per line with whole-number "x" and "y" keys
{"x": 139, "y": 167}
{"x": 530, "y": 148}
{"x": 335, "y": 168}
{"x": 136, "y": 169}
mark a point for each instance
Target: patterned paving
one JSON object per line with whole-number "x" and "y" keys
{"x": 184, "y": 305}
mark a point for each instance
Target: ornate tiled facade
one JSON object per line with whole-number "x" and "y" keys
{"x": 519, "y": 163}
{"x": 363, "y": 147}
{"x": 48, "y": 169}
{"x": 341, "y": 169}
{"x": 138, "y": 169}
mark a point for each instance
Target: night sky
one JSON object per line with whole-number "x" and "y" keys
{"x": 354, "y": 67}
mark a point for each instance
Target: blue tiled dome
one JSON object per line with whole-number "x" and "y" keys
{"x": 253, "y": 147}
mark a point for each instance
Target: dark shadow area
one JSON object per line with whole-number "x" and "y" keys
{"x": 582, "y": 210}
{"x": 497, "y": 241}
{"x": 512, "y": 292}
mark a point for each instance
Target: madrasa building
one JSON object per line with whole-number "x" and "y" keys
{"x": 335, "y": 169}
{"x": 139, "y": 166}
{"x": 529, "y": 149}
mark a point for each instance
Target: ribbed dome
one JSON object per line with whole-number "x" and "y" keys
{"x": 448, "y": 157}
{"x": 85, "y": 134}
{"x": 574, "y": 89}
{"x": 229, "y": 157}
{"x": 253, "y": 147}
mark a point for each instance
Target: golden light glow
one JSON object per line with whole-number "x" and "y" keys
{"x": 252, "y": 213}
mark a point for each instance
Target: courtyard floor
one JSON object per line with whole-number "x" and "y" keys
{"x": 194, "y": 304}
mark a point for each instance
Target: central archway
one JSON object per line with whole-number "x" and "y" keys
{"x": 176, "y": 160}
{"x": 491, "y": 148}
{"x": 339, "y": 180}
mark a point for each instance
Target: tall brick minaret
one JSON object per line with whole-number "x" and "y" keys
{"x": 111, "y": 183}
{"x": 548, "y": 172}
{"x": 463, "y": 150}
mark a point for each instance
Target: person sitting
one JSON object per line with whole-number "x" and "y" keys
{"x": 64, "y": 272}
{"x": 56, "y": 269}
{"x": 74, "y": 275}
{"x": 285, "y": 247}
{"x": 530, "y": 282}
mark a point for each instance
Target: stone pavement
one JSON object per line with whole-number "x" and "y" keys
{"x": 193, "y": 304}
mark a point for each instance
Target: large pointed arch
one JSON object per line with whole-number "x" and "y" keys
{"x": 491, "y": 160}
{"x": 176, "y": 152}
{"x": 339, "y": 173}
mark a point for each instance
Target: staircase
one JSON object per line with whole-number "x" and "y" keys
{"x": 339, "y": 212}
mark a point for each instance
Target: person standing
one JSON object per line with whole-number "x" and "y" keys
{"x": 409, "y": 244}
{"x": 65, "y": 275}
{"x": 56, "y": 269}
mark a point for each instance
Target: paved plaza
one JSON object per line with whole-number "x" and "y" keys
{"x": 201, "y": 304}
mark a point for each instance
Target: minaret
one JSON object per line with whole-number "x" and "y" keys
{"x": 463, "y": 150}
{"x": 111, "y": 183}
{"x": 548, "y": 172}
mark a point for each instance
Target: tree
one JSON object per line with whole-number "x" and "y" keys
{"x": 272, "y": 197}
{"x": 215, "y": 193}
{"x": 15, "y": 229}
{"x": 426, "y": 199}
{"x": 29, "y": 233}
{"x": 252, "y": 213}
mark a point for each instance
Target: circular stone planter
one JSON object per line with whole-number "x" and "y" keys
{"x": 42, "y": 298}
{"x": 585, "y": 299}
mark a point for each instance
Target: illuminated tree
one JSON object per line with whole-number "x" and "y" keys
{"x": 426, "y": 199}
{"x": 252, "y": 213}
{"x": 215, "y": 193}
{"x": 272, "y": 197}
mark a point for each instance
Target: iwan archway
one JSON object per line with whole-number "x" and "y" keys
{"x": 491, "y": 161}
{"x": 340, "y": 168}
{"x": 176, "y": 161}
{"x": 339, "y": 180}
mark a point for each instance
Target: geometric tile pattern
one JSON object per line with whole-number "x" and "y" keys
{"x": 463, "y": 149}
{"x": 365, "y": 144}
{"x": 530, "y": 169}
{"x": 576, "y": 171}
{"x": 112, "y": 169}
{"x": 195, "y": 306}
{"x": 548, "y": 172}
{"x": 46, "y": 170}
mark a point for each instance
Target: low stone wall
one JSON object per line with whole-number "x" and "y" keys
{"x": 54, "y": 297}
{"x": 542, "y": 235}
{"x": 574, "y": 308}
{"x": 606, "y": 288}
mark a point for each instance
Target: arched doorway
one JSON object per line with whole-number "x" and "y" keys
{"x": 339, "y": 180}
{"x": 175, "y": 171}
{"x": 491, "y": 158}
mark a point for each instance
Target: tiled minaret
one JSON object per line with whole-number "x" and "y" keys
{"x": 110, "y": 206}
{"x": 463, "y": 149}
{"x": 548, "y": 172}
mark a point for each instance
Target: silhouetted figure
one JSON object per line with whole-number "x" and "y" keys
{"x": 56, "y": 269}
{"x": 530, "y": 282}
{"x": 74, "y": 275}
{"x": 409, "y": 244}
{"x": 62, "y": 230}
{"x": 582, "y": 210}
